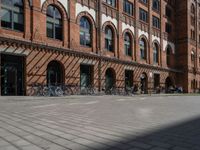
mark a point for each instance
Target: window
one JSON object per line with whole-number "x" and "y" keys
{"x": 155, "y": 53}
{"x": 192, "y": 34}
{"x": 128, "y": 7}
{"x": 127, "y": 44}
{"x": 142, "y": 48}
{"x": 54, "y": 23}
{"x": 192, "y": 56}
{"x": 168, "y": 28}
{"x": 144, "y": 1}
{"x": 156, "y": 4}
{"x": 85, "y": 32}
{"x": 109, "y": 39}
{"x": 12, "y": 15}
{"x": 168, "y": 55}
{"x": 156, "y": 22}
{"x": 111, "y": 2}
{"x": 143, "y": 15}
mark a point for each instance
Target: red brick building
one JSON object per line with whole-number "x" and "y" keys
{"x": 104, "y": 43}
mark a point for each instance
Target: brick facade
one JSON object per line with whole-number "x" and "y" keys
{"x": 39, "y": 50}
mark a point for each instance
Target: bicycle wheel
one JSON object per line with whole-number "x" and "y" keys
{"x": 59, "y": 91}
{"x": 46, "y": 91}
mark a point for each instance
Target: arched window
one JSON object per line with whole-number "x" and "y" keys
{"x": 85, "y": 32}
{"x": 156, "y": 4}
{"x": 155, "y": 53}
{"x": 168, "y": 55}
{"x": 192, "y": 56}
{"x": 109, "y": 39}
{"x": 12, "y": 14}
{"x": 143, "y": 48}
{"x": 54, "y": 23}
{"x": 127, "y": 45}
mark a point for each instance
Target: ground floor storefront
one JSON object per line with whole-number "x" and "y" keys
{"x": 23, "y": 68}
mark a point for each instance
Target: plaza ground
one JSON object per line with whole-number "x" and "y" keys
{"x": 161, "y": 122}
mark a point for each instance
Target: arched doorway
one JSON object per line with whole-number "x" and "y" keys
{"x": 169, "y": 85}
{"x": 110, "y": 79}
{"x": 55, "y": 73}
{"x": 144, "y": 83}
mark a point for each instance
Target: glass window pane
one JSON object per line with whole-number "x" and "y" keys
{"x": 18, "y": 21}
{"x": 50, "y": 11}
{"x": 6, "y": 2}
{"x": 58, "y": 32}
{"x": 49, "y": 30}
{"x": 6, "y": 18}
{"x": 17, "y": 3}
{"x": 57, "y": 14}
{"x": 82, "y": 38}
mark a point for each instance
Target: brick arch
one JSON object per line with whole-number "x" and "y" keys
{"x": 144, "y": 37}
{"x": 170, "y": 47}
{"x": 88, "y": 16}
{"x": 156, "y": 42}
{"x": 110, "y": 24}
{"x": 58, "y": 5}
{"x": 130, "y": 33}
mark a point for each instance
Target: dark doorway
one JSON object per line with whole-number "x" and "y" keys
{"x": 144, "y": 83}
{"x": 55, "y": 73}
{"x": 169, "y": 85}
{"x": 86, "y": 76}
{"x": 110, "y": 79}
{"x": 156, "y": 81}
{"x": 12, "y": 75}
{"x": 128, "y": 79}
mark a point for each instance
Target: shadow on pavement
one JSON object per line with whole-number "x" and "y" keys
{"x": 182, "y": 136}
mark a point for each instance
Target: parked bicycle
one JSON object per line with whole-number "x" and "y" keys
{"x": 51, "y": 90}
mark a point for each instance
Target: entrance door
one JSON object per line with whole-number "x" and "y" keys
{"x": 144, "y": 83}
{"x": 110, "y": 79}
{"x": 85, "y": 76}
{"x": 12, "y": 75}
{"x": 10, "y": 80}
{"x": 157, "y": 83}
{"x": 128, "y": 79}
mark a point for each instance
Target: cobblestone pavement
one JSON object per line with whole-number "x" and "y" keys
{"x": 100, "y": 123}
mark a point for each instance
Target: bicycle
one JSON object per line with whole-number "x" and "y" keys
{"x": 35, "y": 90}
{"x": 52, "y": 91}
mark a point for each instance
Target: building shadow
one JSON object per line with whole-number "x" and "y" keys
{"x": 181, "y": 136}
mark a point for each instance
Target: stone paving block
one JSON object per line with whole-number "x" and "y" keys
{"x": 158, "y": 148}
{"x": 21, "y": 142}
{"x": 160, "y": 144}
{"x": 179, "y": 148}
{"x": 75, "y": 146}
{"x": 31, "y": 147}
{"x": 55, "y": 147}
{"x": 3, "y": 143}
{"x": 9, "y": 148}
{"x": 140, "y": 145}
